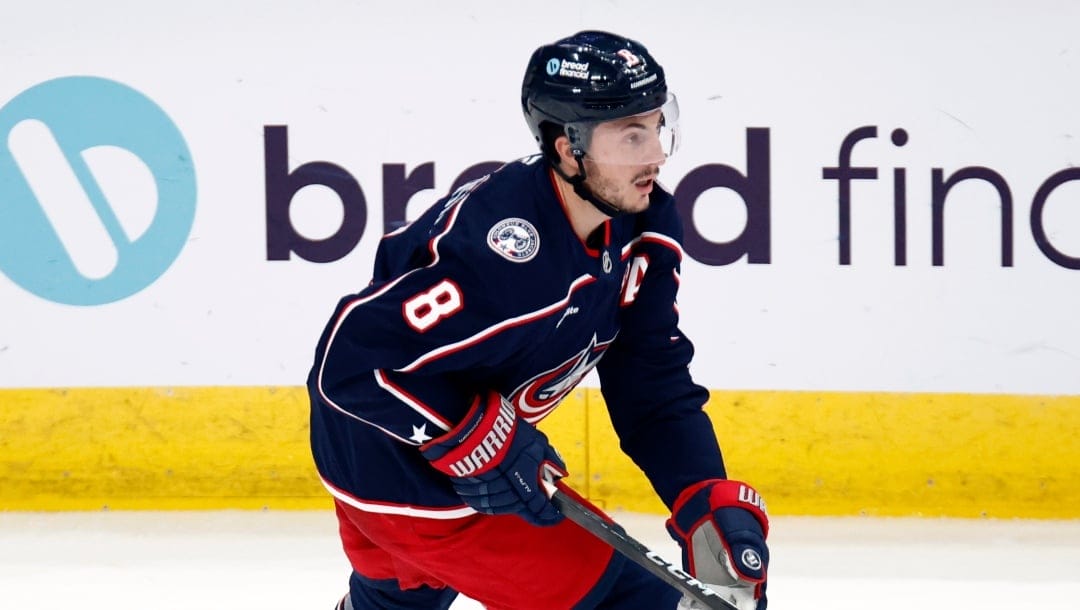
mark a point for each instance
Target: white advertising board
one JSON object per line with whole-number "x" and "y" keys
{"x": 154, "y": 158}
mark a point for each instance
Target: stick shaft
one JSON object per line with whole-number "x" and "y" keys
{"x": 612, "y": 533}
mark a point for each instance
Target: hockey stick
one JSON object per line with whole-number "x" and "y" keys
{"x": 578, "y": 510}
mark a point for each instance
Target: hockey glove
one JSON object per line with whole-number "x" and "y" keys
{"x": 496, "y": 460}
{"x": 721, "y": 526}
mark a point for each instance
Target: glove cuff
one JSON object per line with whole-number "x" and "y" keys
{"x": 700, "y": 500}
{"x": 479, "y": 442}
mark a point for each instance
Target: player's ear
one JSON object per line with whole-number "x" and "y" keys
{"x": 565, "y": 151}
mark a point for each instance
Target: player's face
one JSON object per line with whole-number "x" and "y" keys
{"x": 626, "y": 187}
{"x": 623, "y": 159}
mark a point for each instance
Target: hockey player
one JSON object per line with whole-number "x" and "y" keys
{"x": 481, "y": 316}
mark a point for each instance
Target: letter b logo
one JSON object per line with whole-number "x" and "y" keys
{"x": 97, "y": 191}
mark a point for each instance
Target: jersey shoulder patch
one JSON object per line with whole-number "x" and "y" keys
{"x": 515, "y": 239}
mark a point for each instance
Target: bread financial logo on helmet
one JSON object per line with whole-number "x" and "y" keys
{"x": 568, "y": 68}
{"x": 515, "y": 239}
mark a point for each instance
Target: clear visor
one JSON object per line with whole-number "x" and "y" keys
{"x": 648, "y": 138}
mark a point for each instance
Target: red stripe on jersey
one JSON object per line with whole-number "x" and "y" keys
{"x": 352, "y": 305}
{"x": 433, "y": 245}
{"x": 655, "y": 238}
{"x": 415, "y": 403}
{"x": 491, "y": 331}
{"x": 389, "y": 508}
{"x": 338, "y": 407}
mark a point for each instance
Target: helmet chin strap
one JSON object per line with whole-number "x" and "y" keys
{"x": 578, "y": 182}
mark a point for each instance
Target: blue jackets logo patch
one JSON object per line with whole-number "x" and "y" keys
{"x": 515, "y": 239}
{"x": 538, "y": 396}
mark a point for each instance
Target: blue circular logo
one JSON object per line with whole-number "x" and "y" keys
{"x": 97, "y": 190}
{"x": 553, "y": 66}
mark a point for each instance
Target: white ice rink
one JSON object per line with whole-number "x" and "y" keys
{"x": 280, "y": 560}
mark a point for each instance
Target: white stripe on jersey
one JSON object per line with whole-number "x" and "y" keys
{"x": 412, "y": 401}
{"x": 358, "y": 418}
{"x": 653, "y": 236}
{"x": 397, "y": 509}
{"x": 360, "y": 301}
{"x": 488, "y": 332}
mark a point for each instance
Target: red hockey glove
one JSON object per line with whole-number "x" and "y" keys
{"x": 721, "y": 526}
{"x": 496, "y": 460}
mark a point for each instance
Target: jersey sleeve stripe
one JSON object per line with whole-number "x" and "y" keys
{"x": 491, "y": 331}
{"x": 415, "y": 403}
{"x": 337, "y": 407}
{"x": 433, "y": 245}
{"x": 349, "y": 308}
{"x": 656, "y": 238}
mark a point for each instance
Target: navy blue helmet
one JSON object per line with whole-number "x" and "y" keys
{"x": 589, "y": 77}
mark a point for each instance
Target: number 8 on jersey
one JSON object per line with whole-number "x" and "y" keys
{"x": 428, "y": 308}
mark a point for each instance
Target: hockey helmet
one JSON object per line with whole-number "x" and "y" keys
{"x": 593, "y": 77}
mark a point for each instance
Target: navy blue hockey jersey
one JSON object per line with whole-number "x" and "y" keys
{"x": 491, "y": 289}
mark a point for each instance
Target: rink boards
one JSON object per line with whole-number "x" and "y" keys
{"x": 809, "y": 453}
{"x": 881, "y": 238}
